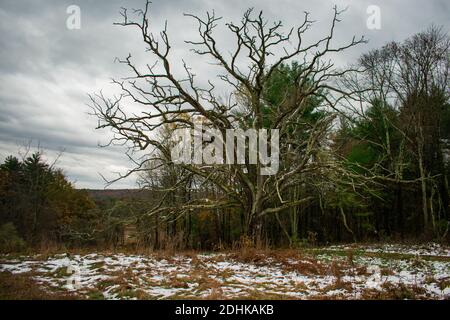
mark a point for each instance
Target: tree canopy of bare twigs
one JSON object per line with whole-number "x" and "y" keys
{"x": 168, "y": 102}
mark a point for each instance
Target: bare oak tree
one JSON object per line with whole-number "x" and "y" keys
{"x": 167, "y": 100}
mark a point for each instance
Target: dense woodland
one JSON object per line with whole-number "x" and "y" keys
{"x": 364, "y": 151}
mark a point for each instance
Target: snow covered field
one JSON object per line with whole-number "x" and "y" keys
{"x": 337, "y": 272}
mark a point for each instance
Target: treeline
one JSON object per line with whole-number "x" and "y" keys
{"x": 375, "y": 167}
{"x": 391, "y": 138}
{"x": 41, "y": 209}
{"x": 38, "y": 204}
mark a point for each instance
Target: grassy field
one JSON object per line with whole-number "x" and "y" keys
{"x": 336, "y": 272}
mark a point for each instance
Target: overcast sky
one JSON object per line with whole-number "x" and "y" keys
{"x": 47, "y": 70}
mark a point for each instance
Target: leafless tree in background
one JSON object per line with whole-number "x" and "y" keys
{"x": 409, "y": 79}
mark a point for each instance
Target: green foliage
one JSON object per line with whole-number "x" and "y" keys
{"x": 373, "y": 135}
{"x": 39, "y": 200}
{"x": 445, "y": 121}
{"x": 281, "y": 92}
{"x": 362, "y": 154}
{"x": 10, "y": 240}
{"x": 282, "y": 88}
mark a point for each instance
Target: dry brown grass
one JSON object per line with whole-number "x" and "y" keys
{"x": 392, "y": 291}
{"x": 24, "y": 287}
{"x": 216, "y": 294}
{"x": 203, "y": 280}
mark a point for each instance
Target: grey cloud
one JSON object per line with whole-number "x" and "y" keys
{"x": 47, "y": 70}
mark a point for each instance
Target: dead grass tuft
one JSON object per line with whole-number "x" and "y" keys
{"x": 24, "y": 287}
{"x": 391, "y": 291}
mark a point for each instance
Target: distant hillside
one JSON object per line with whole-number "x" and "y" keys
{"x": 105, "y": 194}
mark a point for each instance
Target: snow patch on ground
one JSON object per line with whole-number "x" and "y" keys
{"x": 120, "y": 276}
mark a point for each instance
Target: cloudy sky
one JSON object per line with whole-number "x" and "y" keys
{"x": 47, "y": 70}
